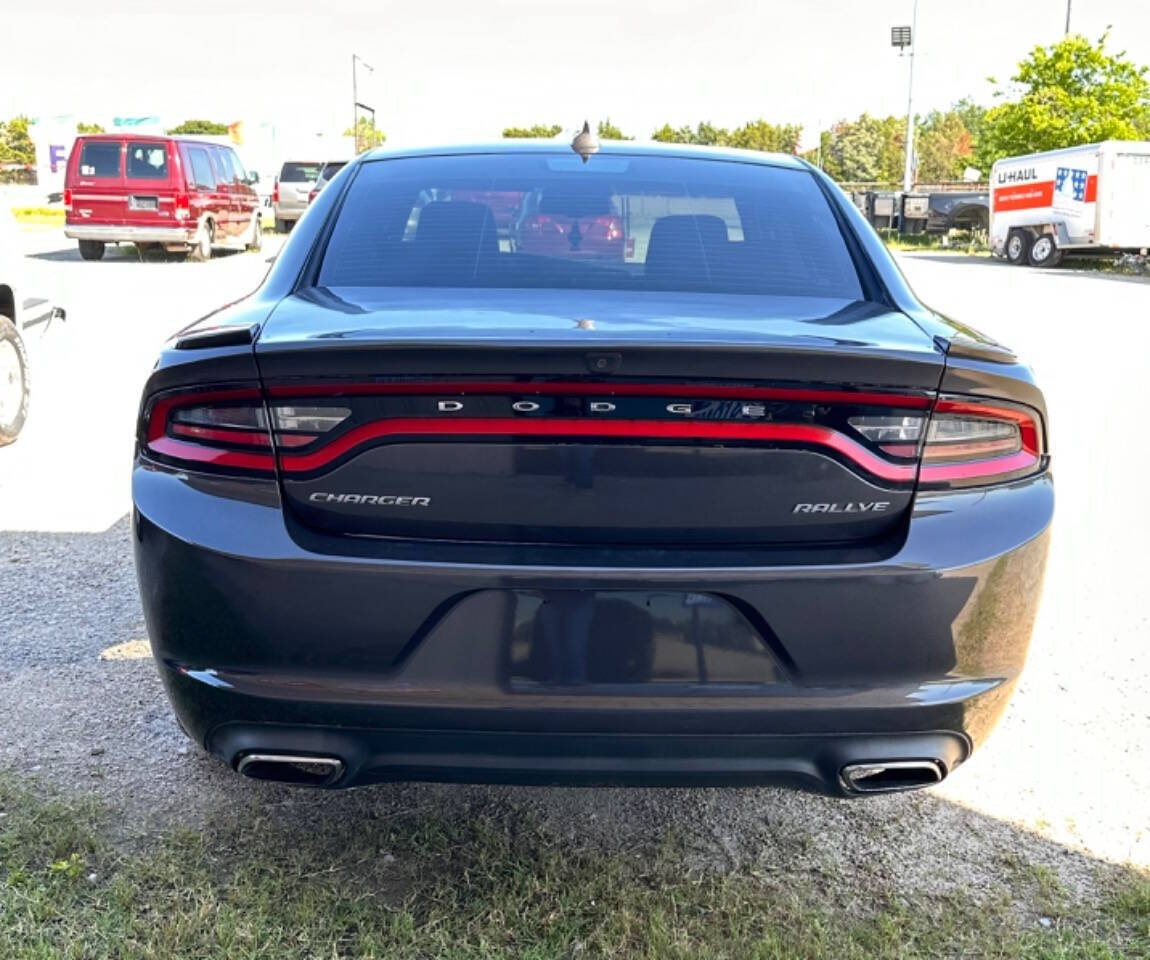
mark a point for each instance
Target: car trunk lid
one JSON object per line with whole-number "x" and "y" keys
{"x": 622, "y": 418}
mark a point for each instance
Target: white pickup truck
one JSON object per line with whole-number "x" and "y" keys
{"x": 19, "y": 313}
{"x": 1089, "y": 199}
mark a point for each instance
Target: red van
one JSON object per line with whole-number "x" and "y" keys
{"x": 180, "y": 194}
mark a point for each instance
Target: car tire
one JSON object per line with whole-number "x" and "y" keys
{"x": 1044, "y": 252}
{"x": 202, "y": 249}
{"x": 14, "y": 385}
{"x": 257, "y": 240}
{"x": 1018, "y": 247}
{"x": 91, "y": 249}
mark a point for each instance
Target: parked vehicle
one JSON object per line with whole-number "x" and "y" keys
{"x": 1081, "y": 200}
{"x": 183, "y": 195}
{"x": 326, "y": 172}
{"x": 591, "y": 229}
{"x": 292, "y": 189}
{"x": 958, "y": 210}
{"x": 737, "y": 508}
{"x": 20, "y": 311}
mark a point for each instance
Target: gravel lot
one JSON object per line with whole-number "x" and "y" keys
{"x": 1063, "y": 783}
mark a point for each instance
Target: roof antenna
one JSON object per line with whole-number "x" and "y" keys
{"x": 585, "y": 142}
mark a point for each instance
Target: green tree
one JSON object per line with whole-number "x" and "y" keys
{"x": 367, "y": 135}
{"x": 760, "y": 135}
{"x": 539, "y": 131}
{"x": 89, "y": 128}
{"x": 608, "y": 131}
{"x": 16, "y": 145}
{"x": 869, "y": 149}
{"x": 943, "y": 146}
{"x": 1069, "y": 93}
{"x": 201, "y": 127}
{"x": 705, "y": 133}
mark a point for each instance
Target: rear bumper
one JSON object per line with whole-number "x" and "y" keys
{"x": 130, "y": 234}
{"x": 289, "y": 211}
{"x": 400, "y": 657}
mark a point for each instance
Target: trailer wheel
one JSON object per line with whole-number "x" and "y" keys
{"x": 1017, "y": 246}
{"x": 1043, "y": 252}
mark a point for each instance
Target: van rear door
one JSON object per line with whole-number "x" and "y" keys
{"x": 1124, "y": 197}
{"x": 97, "y": 181}
{"x": 151, "y": 176}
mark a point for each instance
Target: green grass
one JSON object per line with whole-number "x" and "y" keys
{"x": 422, "y": 886}
{"x": 959, "y": 243}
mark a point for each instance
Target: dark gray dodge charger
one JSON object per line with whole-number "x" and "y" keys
{"x": 642, "y": 466}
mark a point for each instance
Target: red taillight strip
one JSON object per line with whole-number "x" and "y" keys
{"x": 158, "y": 415}
{"x": 630, "y": 429}
{"x": 1027, "y": 425}
{"x": 1025, "y": 459}
{"x": 253, "y": 438}
{"x": 198, "y": 453}
{"x": 1022, "y": 460}
{"x": 568, "y": 389}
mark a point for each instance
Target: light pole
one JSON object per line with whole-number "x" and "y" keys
{"x": 903, "y": 38}
{"x": 356, "y": 105}
{"x": 1067, "y": 17}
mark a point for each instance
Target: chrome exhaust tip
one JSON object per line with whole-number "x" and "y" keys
{"x": 891, "y": 776}
{"x": 290, "y": 768}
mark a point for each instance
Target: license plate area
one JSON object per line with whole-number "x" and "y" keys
{"x": 143, "y": 203}
{"x": 601, "y": 639}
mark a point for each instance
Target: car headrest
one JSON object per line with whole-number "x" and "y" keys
{"x": 683, "y": 245}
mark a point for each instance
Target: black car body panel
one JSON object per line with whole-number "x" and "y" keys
{"x": 591, "y": 536}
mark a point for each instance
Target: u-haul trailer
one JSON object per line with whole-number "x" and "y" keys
{"x": 1089, "y": 199}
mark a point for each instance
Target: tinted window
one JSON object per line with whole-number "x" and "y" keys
{"x": 237, "y": 168}
{"x": 631, "y": 223}
{"x": 293, "y": 172}
{"x": 147, "y": 161}
{"x": 331, "y": 169}
{"x": 201, "y": 168}
{"x": 224, "y": 175}
{"x": 99, "y": 158}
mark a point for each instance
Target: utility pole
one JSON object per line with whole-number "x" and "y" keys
{"x": 1068, "y": 17}
{"x": 908, "y": 166}
{"x": 356, "y": 105}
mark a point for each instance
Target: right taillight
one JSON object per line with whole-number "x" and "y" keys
{"x": 971, "y": 443}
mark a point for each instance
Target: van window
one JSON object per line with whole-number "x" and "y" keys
{"x": 236, "y": 167}
{"x": 201, "y": 168}
{"x": 299, "y": 172}
{"x": 147, "y": 161}
{"x": 100, "y": 158}
{"x": 223, "y": 175}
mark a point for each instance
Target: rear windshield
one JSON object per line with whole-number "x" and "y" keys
{"x": 293, "y": 172}
{"x": 147, "y": 161}
{"x": 623, "y": 223}
{"x": 100, "y": 158}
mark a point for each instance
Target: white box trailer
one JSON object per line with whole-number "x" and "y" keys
{"x": 1089, "y": 199}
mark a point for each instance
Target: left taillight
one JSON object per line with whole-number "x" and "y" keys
{"x": 975, "y": 443}
{"x": 230, "y": 429}
{"x": 67, "y": 199}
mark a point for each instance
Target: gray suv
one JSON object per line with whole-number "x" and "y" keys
{"x": 294, "y": 184}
